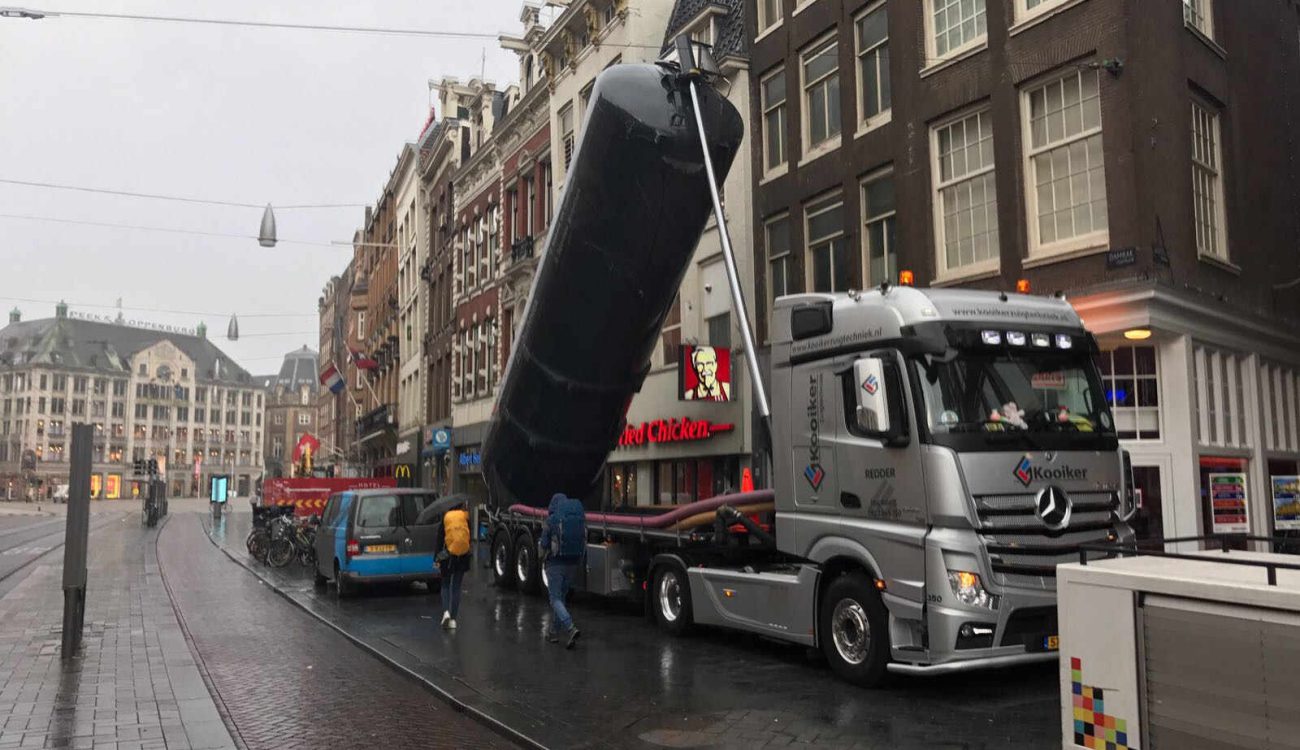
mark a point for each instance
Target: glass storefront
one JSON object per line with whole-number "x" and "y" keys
{"x": 689, "y": 480}
{"x": 1225, "y": 496}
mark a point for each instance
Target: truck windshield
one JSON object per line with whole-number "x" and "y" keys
{"x": 1000, "y": 400}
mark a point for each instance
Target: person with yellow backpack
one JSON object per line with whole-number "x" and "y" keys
{"x": 453, "y": 560}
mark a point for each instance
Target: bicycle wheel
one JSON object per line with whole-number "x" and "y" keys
{"x": 256, "y": 543}
{"x": 279, "y": 553}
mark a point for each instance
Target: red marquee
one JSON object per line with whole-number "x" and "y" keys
{"x": 673, "y": 430}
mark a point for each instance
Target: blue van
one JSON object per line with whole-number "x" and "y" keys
{"x": 380, "y": 535}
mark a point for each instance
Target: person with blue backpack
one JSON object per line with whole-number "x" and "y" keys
{"x": 563, "y": 543}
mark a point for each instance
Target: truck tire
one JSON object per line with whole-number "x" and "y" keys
{"x": 854, "y": 630}
{"x": 670, "y": 599}
{"x": 526, "y": 569}
{"x": 503, "y": 560}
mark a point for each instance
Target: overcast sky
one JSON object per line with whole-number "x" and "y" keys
{"x": 221, "y": 113}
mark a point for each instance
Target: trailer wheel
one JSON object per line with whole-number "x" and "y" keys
{"x": 503, "y": 560}
{"x": 670, "y": 598}
{"x": 527, "y": 575}
{"x": 854, "y": 630}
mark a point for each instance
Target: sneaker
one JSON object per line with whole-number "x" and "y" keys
{"x": 573, "y": 637}
{"x": 446, "y": 618}
{"x": 552, "y": 636}
{"x": 451, "y": 624}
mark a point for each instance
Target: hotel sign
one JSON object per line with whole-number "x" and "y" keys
{"x": 144, "y": 324}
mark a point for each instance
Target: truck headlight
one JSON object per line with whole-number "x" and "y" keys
{"x": 968, "y": 589}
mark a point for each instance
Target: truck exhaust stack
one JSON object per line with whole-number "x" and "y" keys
{"x": 635, "y": 202}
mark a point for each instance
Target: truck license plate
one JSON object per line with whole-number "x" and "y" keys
{"x": 1052, "y": 643}
{"x": 381, "y": 548}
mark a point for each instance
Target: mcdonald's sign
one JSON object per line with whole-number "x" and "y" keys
{"x": 402, "y": 473}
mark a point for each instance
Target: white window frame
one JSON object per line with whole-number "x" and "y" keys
{"x": 932, "y": 41}
{"x": 1219, "y": 215}
{"x": 784, "y": 164}
{"x": 881, "y": 51}
{"x": 566, "y": 134}
{"x": 937, "y": 185}
{"x": 823, "y": 203}
{"x": 785, "y": 256}
{"x": 1108, "y": 382}
{"x": 1098, "y": 238}
{"x": 891, "y": 274}
{"x": 766, "y": 24}
{"x": 361, "y": 324}
{"x": 832, "y": 142}
{"x": 1025, "y": 13}
{"x": 1204, "y": 10}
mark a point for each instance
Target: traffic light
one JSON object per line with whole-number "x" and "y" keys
{"x": 153, "y": 467}
{"x": 137, "y": 467}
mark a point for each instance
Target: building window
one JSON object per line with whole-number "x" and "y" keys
{"x": 1199, "y": 14}
{"x": 769, "y": 13}
{"x": 1218, "y": 393}
{"x": 671, "y": 337}
{"x": 880, "y": 217}
{"x": 1131, "y": 379}
{"x": 304, "y": 419}
{"x": 1067, "y": 174}
{"x": 773, "y": 95}
{"x": 279, "y": 418}
{"x": 566, "y": 134}
{"x": 719, "y": 327}
{"x": 821, "y": 95}
{"x": 777, "y": 239}
{"x": 955, "y": 25}
{"x": 1207, "y": 184}
{"x": 965, "y": 202}
{"x": 872, "y": 39}
{"x": 277, "y": 447}
{"x": 828, "y": 247}
{"x": 1026, "y": 9}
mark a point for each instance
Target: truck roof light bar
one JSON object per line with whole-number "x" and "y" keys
{"x": 1064, "y": 341}
{"x": 1016, "y": 338}
{"x": 992, "y": 338}
{"x": 1041, "y": 340}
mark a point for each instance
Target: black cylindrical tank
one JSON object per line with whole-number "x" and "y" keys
{"x": 635, "y": 202}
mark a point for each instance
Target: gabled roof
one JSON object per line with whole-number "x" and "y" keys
{"x": 107, "y": 347}
{"x": 300, "y": 368}
{"x": 731, "y": 38}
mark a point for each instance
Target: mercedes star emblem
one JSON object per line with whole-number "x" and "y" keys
{"x": 1053, "y": 506}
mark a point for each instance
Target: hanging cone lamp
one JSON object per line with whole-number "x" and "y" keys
{"x": 232, "y": 330}
{"x": 266, "y": 236}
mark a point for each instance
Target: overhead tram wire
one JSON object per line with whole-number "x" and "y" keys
{"x": 157, "y": 309}
{"x": 177, "y": 198}
{"x": 81, "y": 222}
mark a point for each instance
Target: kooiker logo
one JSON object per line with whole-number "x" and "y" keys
{"x": 1025, "y": 472}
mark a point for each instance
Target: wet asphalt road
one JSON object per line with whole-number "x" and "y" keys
{"x": 628, "y": 685}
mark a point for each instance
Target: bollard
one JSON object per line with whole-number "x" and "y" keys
{"x": 75, "y": 540}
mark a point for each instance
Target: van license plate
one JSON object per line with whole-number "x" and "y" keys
{"x": 381, "y": 548}
{"x": 1052, "y": 643}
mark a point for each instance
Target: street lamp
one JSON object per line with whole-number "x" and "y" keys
{"x": 266, "y": 236}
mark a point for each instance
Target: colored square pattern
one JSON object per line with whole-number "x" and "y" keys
{"x": 1093, "y": 727}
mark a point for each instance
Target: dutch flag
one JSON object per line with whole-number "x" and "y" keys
{"x": 332, "y": 379}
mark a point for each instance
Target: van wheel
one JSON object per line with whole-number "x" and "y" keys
{"x": 854, "y": 630}
{"x": 345, "y": 587}
{"x": 670, "y": 598}
{"x": 503, "y": 560}
{"x": 526, "y": 573}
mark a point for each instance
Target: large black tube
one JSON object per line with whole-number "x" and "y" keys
{"x": 635, "y": 202}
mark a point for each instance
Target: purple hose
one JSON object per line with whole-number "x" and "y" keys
{"x": 663, "y": 519}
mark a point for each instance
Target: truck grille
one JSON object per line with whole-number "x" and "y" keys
{"x": 1022, "y": 550}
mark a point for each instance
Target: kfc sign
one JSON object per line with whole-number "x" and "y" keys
{"x": 704, "y": 373}
{"x": 673, "y": 430}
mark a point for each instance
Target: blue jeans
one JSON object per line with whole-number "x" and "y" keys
{"x": 450, "y": 590}
{"x": 560, "y": 577}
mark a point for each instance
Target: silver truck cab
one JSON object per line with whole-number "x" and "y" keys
{"x": 951, "y": 447}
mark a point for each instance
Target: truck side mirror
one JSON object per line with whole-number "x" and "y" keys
{"x": 872, "y": 395}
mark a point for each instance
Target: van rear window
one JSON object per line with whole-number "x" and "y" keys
{"x": 377, "y": 512}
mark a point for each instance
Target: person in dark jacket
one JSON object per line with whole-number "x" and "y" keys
{"x": 453, "y": 556}
{"x": 563, "y": 543}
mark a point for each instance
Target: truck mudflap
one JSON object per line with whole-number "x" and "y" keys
{"x": 776, "y": 602}
{"x": 968, "y": 665}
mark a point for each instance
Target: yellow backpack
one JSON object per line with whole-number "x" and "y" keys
{"x": 456, "y": 528}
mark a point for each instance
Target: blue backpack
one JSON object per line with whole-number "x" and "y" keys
{"x": 568, "y": 531}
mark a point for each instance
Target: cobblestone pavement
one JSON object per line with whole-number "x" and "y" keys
{"x": 134, "y": 685}
{"x": 285, "y": 679}
{"x": 628, "y": 685}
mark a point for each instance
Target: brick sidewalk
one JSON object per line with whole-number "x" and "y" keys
{"x": 134, "y": 685}
{"x": 286, "y": 679}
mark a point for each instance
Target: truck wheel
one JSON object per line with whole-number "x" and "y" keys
{"x": 503, "y": 560}
{"x": 670, "y": 598}
{"x": 854, "y": 630}
{"x": 527, "y": 575}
